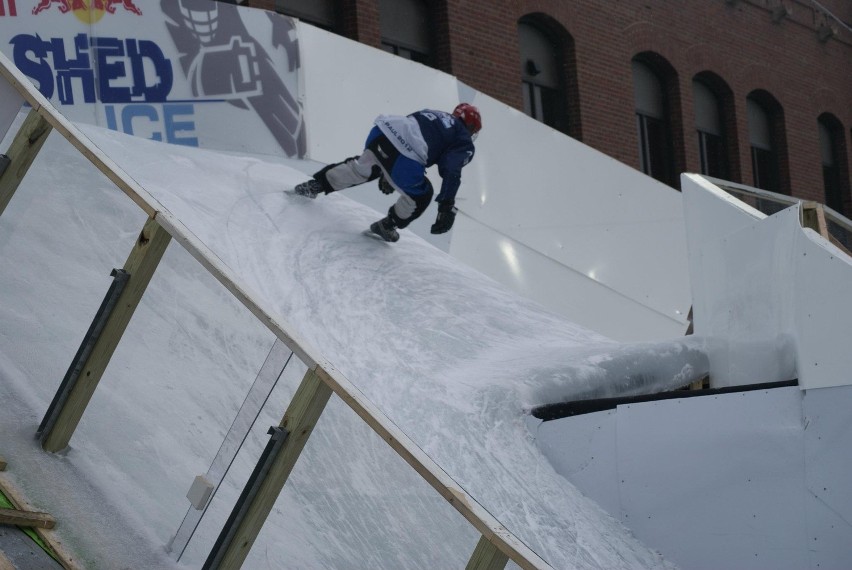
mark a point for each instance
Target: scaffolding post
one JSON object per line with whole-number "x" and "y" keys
{"x": 141, "y": 264}
{"x": 486, "y": 556}
{"x": 241, "y": 530}
{"x": 119, "y": 281}
{"x": 21, "y": 154}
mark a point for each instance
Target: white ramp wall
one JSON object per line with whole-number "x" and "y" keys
{"x": 557, "y": 221}
{"x": 770, "y": 296}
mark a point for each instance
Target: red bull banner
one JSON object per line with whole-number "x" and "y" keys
{"x": 190, "y": 72}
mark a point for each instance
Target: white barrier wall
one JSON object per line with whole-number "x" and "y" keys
{"x": 726, "y": 481}
{"x": 558, "y": 220}
{"x": 770, "y": 296}
{"x": 583, "y": 234}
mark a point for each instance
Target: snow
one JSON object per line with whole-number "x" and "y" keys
{"x": 453, "y": 358}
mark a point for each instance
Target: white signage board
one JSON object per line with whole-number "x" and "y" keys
{"x": 195, "y": 73}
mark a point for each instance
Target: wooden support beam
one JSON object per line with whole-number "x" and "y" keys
{"x": 26, "y": 518}
{"x": 299, "y": 420}
{"x": 22, "y": 152}
{"x": 17, "y": 500}
{"x": 486, "y": 556}
{"x": 141, "y": 264}
{"x": 813, "y": 216}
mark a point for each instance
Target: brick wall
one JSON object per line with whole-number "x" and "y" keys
{"x": 738, "y": 41}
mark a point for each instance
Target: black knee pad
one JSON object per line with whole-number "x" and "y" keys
{"x": 420, "y": 204}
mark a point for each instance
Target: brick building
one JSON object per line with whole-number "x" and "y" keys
{"x": 753, "y": 91}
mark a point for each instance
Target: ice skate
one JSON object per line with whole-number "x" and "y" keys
{"x": 385, "y": 230}
{"x": 309, "y": 189}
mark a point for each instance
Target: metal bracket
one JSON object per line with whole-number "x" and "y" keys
{"x": 120, "y": 278}
{"x": 261, "y": 470}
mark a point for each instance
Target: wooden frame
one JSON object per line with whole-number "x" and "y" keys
{"x": 66, "y": 559}
{"x": 22, "y": 152}
{"x": 26, "y": 518}
{"x": 496, "y": 543}
{"x": 143, "y": 260}
{"x": 813, "y": 214}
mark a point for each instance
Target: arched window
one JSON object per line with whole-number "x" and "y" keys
{"x": 320, "y": 13}
{"x": 713, "y": 101}
{"x": 542, "y": 72}
{"x": 405, "y": 28}
{"x": 652, "y": 120}
{"x": 835, "y": 175}
{"x": 767, "y": 141}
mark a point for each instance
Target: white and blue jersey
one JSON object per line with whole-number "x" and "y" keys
{"x": 423, "y": 139}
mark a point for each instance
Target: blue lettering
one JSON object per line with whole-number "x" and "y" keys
{"x": 37, "y": 69}
{"x": 77, "y": 68}
{"x": 130, "y": 112}
{"x": 110, "y": 118}
{"x": 137, "y": 53}
{"x": 114, "y": 72}
{"x": 107, "y": 50}
{"x": 174, "y": 124}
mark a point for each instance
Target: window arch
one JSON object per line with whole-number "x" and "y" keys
{"x": 835, "y": 170}
{"x": 405, "y": 28}
{"x": 768, "y": 142}
{"x": 549, "y": 92}
{"x": 714, "y": 125}
{"x": 320, "y": 13}
{"x": 654, "y": 90}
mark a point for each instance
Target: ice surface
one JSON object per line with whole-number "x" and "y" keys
{"x": 450, "y": 356}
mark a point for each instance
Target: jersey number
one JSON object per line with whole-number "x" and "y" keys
{"x": 445, "y": 118}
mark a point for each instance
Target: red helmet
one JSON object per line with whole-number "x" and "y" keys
{"x": 470, "y": 116}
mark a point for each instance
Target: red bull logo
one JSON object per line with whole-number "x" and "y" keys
{"x": 88, "y": 11}
{"x": 10, "y": 4}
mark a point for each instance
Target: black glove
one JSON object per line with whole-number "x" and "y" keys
{"x": 446, "y": 217}
{"x": 385, "y": 186}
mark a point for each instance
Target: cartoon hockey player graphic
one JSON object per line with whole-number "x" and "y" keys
{"x": 222, "y": 60}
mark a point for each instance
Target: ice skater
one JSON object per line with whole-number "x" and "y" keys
{"x": 397, "y": 152}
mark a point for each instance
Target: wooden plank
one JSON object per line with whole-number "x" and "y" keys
{"x": 22, "y": 152}
{"x": 813, "y": 217}
{"x": 486, "y": 556}
{"x": 5, "y": 563}
{"x": 836, "y": 243}
{"x": 431, "y": 472}
{"x": 299, "y": 420}
{"x": 67, "y": 559}
{"x": 141, "y": 264}
{"x": 26, "y": 518}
